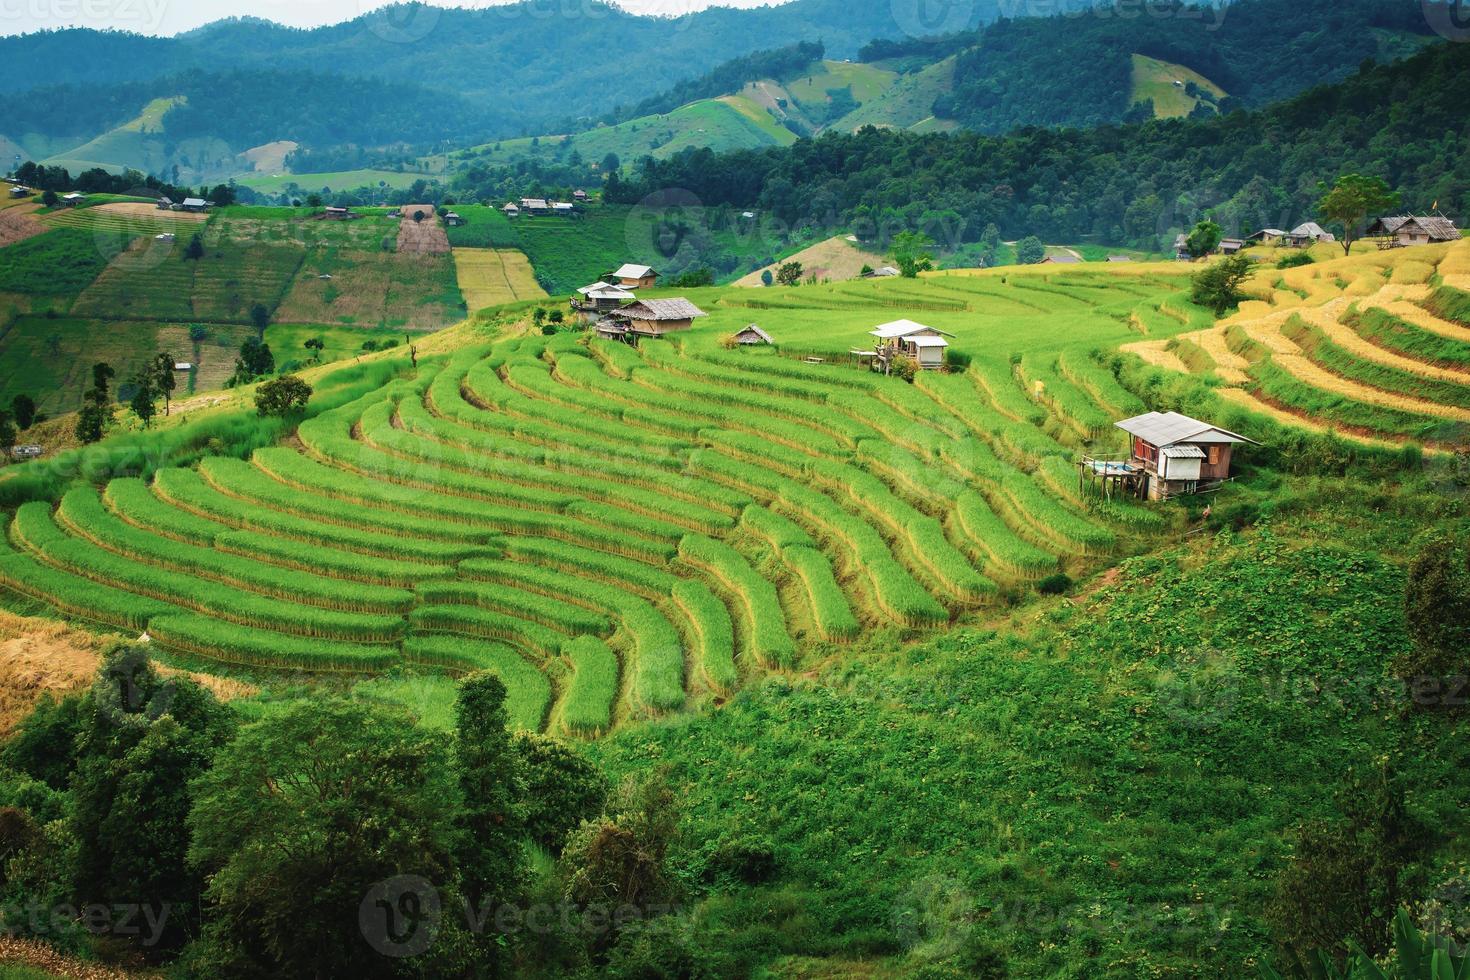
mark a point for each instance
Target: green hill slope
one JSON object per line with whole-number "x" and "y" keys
{"x": 1173, "y": 89}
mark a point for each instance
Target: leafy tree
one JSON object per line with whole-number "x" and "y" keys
{"x": 611, "y": 164}
{"x": 255, "y": 360}
{"x": 165, "y": 379}
{"x": 1217, "y": 286}
{"x": 767, "y": 277}
{"x": 557, "y": 316}
{"x": 619, "y": 860}
{"x": 23, "y": 407}
{"x": 1351, "y": 200}
{"x": 281, "y": 396}
{"x": 316, "y": 345}
{"x": 913, "y": 251}
{"x": 313, "y": 200}
{"x": 538, "y": 315}
{"x": 44, "y": 745}
{"x": 95, "y": 416}
{"x": 49, "y": 198}
{"x": 1030, "y": 251}
{"x": 301, "y": 817}
{"x": 562, "y": 789}
{"x": 789, "y": 273}
{"x": 1346, "y": 876}
{"x": 260, "y": 316}
{"x": 195, "y": 249}
{"x": 141, "y": 741}
{"x": 486, "y": 764}
{"x": 1203, "y": 239}
{"x": 1437, "y": 607}
{"x": 144, "y": 402}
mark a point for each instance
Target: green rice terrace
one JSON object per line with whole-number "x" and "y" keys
{"x": 619, "y": 532}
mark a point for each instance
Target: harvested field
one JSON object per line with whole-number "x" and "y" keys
{"x": 1154, "y": 353}
{"x": 143, "y": 210}
{"x": 426, "y": 236}
{"x": 490, "y": 277}
{"x": 19, "y": 223}
{"x": 412, "y": 291}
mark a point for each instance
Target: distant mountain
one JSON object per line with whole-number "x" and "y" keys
{"x": 534, "y": 70}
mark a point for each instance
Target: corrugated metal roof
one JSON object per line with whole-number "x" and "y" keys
{"x": 634, "y": 272}
{"x": 1183, "y": 452}
{"x": 904, "y": 328}
{"x": 923, "y": 340}
{"x": 1168, "y": 428}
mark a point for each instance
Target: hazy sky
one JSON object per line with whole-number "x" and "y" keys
{"x": 173, "y": 16}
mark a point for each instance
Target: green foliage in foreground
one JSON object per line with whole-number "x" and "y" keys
{"x": 1065, "y": 793}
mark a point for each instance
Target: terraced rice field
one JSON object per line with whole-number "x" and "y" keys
{"x": 618, "y": 533}
{"x": 1356, "y": 344}
{"x": 491, "y": 277}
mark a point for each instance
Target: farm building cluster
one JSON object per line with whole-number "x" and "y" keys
{"x": 612, "y": 307}
{"x": 539, "y": 206}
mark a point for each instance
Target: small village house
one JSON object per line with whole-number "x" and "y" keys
{"x": 453, "y": 220}
{"x": 882, "y": 272}
{"x": 1229, "y": 246}
{"x": 753, "y": 336}
{"x": 579, "y": 196}
{"x": 1062, "y": 259}
{"x": 563, "y": 209}
{"x": 1170, "y": 455}
{"x": 511, "y": 210}
{"x": 165, "y": 203}
{"x": 74, "y": 199}
{"x": 167, "y": 238}
{"x": 634, "y": 277}
{"x": 649, "y": 318}
{"x": 1266, "y": 236}
{"x": 535, "y": 205}
{"x": 924, "y": 345}
{"x": 1404, "y": 230}
{"x": 1120, "y": 258}
{"x": 1307, "y": 234}
{"x": 340, "y": 214}
{"x": 601, "y": 298}
{"x": 194, "y": 204}
{"x": 26, "y": 452}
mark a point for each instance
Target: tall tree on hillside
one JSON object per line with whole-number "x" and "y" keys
{"x": 789, "y": 274}
{"x": 96, "y": 413}
{"x": 1351, "y": 200}
{"x": 164, "y": 378}
{"x": 492, "y": 823}
{"x": 195, "y": 250}
{"x": 23, "y": 408}
{"x": 144, "y": 402}
{"x": 260, "y": 316}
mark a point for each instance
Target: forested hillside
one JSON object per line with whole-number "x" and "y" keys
{"x": 1075, "y": 70}
{"x": 533, "y": 71}
{"x": 1135, "y": 184}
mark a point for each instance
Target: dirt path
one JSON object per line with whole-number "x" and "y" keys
{"x": 426, "y": 236}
